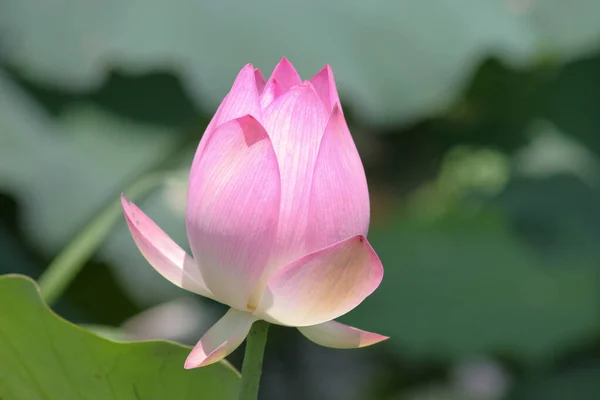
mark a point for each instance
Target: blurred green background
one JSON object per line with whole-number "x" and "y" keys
{"x": 478, "y": 122}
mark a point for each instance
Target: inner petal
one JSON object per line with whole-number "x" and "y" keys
{"x": 295, "y": 121}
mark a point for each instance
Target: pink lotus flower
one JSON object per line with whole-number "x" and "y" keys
{"x": 277, "y": 213}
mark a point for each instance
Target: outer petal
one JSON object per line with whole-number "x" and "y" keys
{"x": 339, "y": 199}
{"x": 286, "y": 75}
{"x": 221, "y": 339}
{"x": 295, "y": 122}
{"x": 324, "y": 84}
{"x": 339, "y": 336}
{"x": 170, "y": 260}
{"x": 242, "y": 99}
{"x": 323, "y": 285}
{"x": 232, "y": 209}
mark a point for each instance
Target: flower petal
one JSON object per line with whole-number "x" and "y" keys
{"x": 221, "y": 339}
{"x": 286, "y": 75}
{"x": 339, "y": 336}
{"x": 324, "y": 84}
{"x": 242, "y": 99}
{"x": 339, "y": 199}
{"x": 260, "y": 80}
{"x": 167, "y": 258}
{"x": 295, "y": 122}
{"x": 271, "y": 92}
{"x": 323, "y": 285}
{"x": 232, "y": 209}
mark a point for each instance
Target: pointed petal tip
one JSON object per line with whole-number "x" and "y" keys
{"x": 189, "y": 363}
{"x": 361, "y": 240}
{"x": 365, "y": 339}
{"x": 326, "y": 70}
{"x": 374, "y": 338}
{"x": 286, "y": 74}
{"x": 336, "y": 335}
{"x": 260, "y": 80}
{"x": 221, "y": 339}
{"x": 187, "y": 366}
{"x": 258, "y": 75}
{"x": 252, "y": 129}
{"x": 247, "y": 70}
{"x": 245, "y": 123}
{"x": 247, "y": 119}
{"x": 242, "y": 98}
{"x": 192, "y": 364}
{"x": 250, "y": 74}
{"x": 196, "y": 360}
{"x": 324, "y": 82}
{"x": 161, "y": 252}
{"x": 129, "y": 210}
{"x": 286, "y": 64}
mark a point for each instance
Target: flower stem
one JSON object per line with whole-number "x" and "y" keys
{"x": 63, "y": 269}
{"x": 253, "y": 360}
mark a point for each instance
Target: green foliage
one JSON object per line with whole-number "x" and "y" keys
{"x": 463, "y": 285}
{"x": 462, "y": 277}
{"x": 579, "y": 382}
{"x": 45, "y": 357}
{"x": 477, "y": 121}
{"x": 66, "y": 170}
{"x": 573, "y": 98}
{"x": 395, "y": 60}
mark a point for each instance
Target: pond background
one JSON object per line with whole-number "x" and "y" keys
{"x": 478, "y": 122}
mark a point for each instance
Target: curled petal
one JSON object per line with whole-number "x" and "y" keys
{"x": 339, "y": 199}
{"x": 295, "y": 122}
{"x": 286, "y": 75}
{"x": 232, "y": 209}
{"x": 324, "y": 84}
{"x": 167, "y": 258}
{"x": 339, "y": 336}
{"x": 221, "y": 339}
{"x": 323, "y": 285}
{"x": 242, "y": 99}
